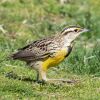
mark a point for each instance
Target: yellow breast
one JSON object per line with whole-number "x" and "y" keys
{"x": 53, "y": 61}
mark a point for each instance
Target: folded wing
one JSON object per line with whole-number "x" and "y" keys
{"x": 35, "y": 51}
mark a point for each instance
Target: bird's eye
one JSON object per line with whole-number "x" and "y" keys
{"x": 76, "y": 30}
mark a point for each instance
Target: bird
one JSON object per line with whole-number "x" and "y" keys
{"x": 48, "y": 52}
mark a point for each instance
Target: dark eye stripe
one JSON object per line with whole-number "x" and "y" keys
{"x": 65, "y": 33}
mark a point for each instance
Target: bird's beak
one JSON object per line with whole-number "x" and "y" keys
{"x": 85, "y": 30}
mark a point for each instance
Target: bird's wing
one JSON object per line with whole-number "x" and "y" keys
{"x": 37, "y": 50}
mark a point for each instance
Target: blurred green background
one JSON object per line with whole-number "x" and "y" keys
{"x": 23, "y": 21}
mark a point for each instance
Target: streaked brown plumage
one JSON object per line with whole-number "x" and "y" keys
{"x": 40, "y": 49}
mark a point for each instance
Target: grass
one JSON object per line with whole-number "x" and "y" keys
{"x": 24, "y": 21}
{"x": 88, "y": 87}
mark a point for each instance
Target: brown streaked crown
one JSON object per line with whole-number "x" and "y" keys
{"x": 71, "y": 29}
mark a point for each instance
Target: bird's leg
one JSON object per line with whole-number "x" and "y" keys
{"x": 37, "y": 77}
{"x": 41, "y": 78}
{"x": 45, "y": 79}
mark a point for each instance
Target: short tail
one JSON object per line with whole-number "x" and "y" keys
{"x": 14, "y": 56}
{"x": 18, "y": 55}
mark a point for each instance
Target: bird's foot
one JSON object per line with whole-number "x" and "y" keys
{"x": 40, "y": 81}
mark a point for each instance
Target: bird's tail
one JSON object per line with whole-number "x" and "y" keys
{"x": 15, "y": 55}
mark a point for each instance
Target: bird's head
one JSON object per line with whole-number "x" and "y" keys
{"x": 72, "y": 32}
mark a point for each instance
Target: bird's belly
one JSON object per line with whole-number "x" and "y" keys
{"x": 53, "y": 61}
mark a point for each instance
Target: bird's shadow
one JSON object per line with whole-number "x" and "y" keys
{"x": 12, "y": 75}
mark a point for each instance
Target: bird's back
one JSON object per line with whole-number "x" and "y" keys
{"x": 38, "y": 50}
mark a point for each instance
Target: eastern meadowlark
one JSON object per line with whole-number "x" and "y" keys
{"x": 48, "y": 52}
